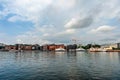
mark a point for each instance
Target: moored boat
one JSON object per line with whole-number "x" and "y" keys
{"x": 80, "y": 49}
{"x": 97, "y": 50}
{"x": 60, "y": 49}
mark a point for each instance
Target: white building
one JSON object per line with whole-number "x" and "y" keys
{"x": 110, "y": 46}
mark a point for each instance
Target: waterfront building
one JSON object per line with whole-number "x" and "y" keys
{"x": 52, "y": 47}
{"x": 10, "y": 47}
{"x": 109, "y": 46}
{"x": 71, "y": 47}
{"x": 22, "y": 47}
{"x": 44, "y": 47}
{"x": 118, "y": 45}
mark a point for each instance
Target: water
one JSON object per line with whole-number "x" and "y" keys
{"x": 59, "y": 66}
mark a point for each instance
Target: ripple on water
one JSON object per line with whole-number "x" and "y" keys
{"x": 59, "y": 66}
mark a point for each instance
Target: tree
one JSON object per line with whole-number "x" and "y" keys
{"x": 96, "y": 46}
{"x": 88, "y": 46}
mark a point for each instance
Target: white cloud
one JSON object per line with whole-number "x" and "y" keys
{"x": 31, "y": 39}
{"x": 4, "y": 13}
{"x": 16, "y": 18}
{"x": 45, "y": 34}
{"x": 66, "y": 32}
{"x": 76, "y": 23}
{"x": 71, "y": 23}
{"x": 64, "y": 4}
{"x": 49, "y": 17}
{"x": 29, "y": 10}
{"x": 103, "y": 29}
{"x": 45, "y": 28}
{"x": 32, "y": 10}
{"x": 110, "y": 9}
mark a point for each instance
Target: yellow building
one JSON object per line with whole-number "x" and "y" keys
{"x": 109, "y": 46}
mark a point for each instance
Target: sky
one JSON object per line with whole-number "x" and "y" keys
{"x": 59, "y": 21}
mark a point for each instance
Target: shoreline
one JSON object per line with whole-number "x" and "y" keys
{"x": 56, "y": 51}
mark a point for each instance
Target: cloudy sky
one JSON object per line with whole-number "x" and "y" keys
{"x": 59, "y": 21}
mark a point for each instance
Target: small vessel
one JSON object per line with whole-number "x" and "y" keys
{"x": 80, "y": 49}
{"x": 60, "y": 49}
{"x": 97, "y": 50}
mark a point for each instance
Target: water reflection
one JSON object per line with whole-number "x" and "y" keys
{"x": 59, "y": 65}
{"x": 71, "y": 54}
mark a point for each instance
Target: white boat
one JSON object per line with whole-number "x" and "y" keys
{"x": 60, "y": 49}
{"x": 80, "y": 49}
{"x": 97, "y": 50}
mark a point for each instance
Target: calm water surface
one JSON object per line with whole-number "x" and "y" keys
{"x": 59, "y": 66}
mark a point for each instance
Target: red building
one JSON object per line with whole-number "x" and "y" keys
{"x": 20, "y": 47}
{"x": 52, "y": 47}
{"x": 10, "y": 47}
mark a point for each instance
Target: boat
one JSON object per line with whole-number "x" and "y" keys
{"x": 97, "y": 50}
{"x": 80, "y": 49}
{"x": 60, "y": 49}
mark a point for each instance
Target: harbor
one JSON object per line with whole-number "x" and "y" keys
{"x": 114, "y": 47}
{"x": 59, "y": 40}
